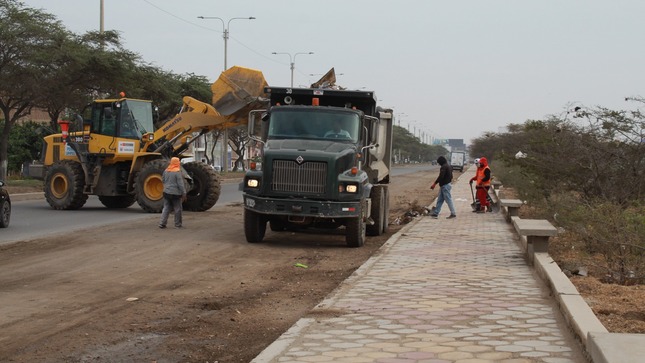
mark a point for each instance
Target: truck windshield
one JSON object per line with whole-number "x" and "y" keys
{"x": 316, "y": 124}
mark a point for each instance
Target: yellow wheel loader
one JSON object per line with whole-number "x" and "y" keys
{"x": 116, "y": 154}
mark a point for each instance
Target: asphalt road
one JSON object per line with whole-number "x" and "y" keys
{"x": 34, "y": 218}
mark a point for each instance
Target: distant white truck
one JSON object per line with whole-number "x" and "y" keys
{"x": 457, "y": 160}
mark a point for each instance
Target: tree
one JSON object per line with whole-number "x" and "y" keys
{"x": 239, "y": 139}
{"x": 27, "y": 37}
{"x": 25, "y": 144}
{"x": 410, "y": 147}
{"x": 81, "y": 68}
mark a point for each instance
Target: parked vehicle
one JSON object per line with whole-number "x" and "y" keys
{"x": 457, "y": 160}
{"x": 325, "y": 163}
{"x": 5, "y": 206}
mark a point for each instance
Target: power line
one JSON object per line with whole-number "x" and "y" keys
{"x": 214, "y": 30}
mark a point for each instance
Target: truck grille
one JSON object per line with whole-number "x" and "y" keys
{"x": 308, "y": 177}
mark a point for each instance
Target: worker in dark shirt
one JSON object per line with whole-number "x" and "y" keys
{"x": 444, "y": 180}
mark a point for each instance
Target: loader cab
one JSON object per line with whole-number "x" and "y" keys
{"x": 124, "y": 118}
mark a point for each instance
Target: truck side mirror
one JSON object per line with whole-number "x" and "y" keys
{"x": 256, "y": 117}
{"x": 375, "y": 130}
{"x": 374, "y": 125}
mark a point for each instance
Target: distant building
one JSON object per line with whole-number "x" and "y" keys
{"x": 457, "y": 144}
{"x": 36, "y": 115}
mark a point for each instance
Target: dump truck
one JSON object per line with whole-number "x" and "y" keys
{"x": 325, "y": 163}
{"x": 116, "y": 153}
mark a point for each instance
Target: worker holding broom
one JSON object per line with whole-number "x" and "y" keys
{"x": 482, "y": 179}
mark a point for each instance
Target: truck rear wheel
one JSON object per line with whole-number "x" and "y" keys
{"x": 117, "y": 201}
{"x": 149, "y": 186}
{"x": 64, "y": 184}
{"x": 378, "y": 211}
{"x": 255, "y": 226}
{"x": 355, "y": 232}
{"x": 386, "y": 209}
{"x": 206, "y": 187}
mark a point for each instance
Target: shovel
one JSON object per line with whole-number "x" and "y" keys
{"x": 475, "y": 203}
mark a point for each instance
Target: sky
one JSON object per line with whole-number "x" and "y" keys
{"x": 450, "y": 69}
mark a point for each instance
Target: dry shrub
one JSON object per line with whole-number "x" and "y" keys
{"x": 602, "y": 237}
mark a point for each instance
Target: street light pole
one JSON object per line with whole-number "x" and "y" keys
{"x": 225, "y": 35}
{"x": 292, "y": 61}
{"x": 225, "y": 32}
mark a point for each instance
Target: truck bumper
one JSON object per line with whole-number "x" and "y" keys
{"x": 304, "y": 208}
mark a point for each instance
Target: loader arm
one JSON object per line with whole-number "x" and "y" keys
{"x": 237, "y": 91}
{"x": 195, "y": 116}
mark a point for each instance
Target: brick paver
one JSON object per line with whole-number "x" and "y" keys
{"x": 455, "y": 290}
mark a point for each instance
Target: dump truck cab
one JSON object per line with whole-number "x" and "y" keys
{"x": 319, "y": 164}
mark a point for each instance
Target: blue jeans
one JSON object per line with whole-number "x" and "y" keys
{"x": 444, "y": 195}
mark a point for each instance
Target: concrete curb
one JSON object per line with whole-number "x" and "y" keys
{"x": 600, "y": 345}
{"x": 19, "y": 197}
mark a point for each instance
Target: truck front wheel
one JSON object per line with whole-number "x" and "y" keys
{"x": 255, "y": 226}
{"x": 355, "y": 229}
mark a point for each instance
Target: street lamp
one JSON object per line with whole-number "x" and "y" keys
{"x": 225, "y": 33}
{"x": 292, "y": 61}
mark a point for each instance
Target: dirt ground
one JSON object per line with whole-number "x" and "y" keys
{"x": 135, "y": 293}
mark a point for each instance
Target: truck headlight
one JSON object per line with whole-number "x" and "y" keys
{"x": 349, "y": 188}
{"x": 252, "y": 183}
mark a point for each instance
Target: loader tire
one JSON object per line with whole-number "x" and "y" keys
{"x": 63, "y": 187}
{"x": 378, "y": 211}
{"x": 206, "y": 187}
{"x": 255, "y": 226}
{"x": 117, "y": 201}
{"x": 149, "y": 185}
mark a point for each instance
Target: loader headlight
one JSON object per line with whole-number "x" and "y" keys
{"x": 252, "y": 183}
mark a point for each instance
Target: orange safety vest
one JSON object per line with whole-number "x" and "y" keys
{"x": 481, "y": 175}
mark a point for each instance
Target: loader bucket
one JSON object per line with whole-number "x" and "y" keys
{"x": 237, "y": 91}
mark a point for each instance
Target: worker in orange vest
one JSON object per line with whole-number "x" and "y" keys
{"x": 482, "y": 179}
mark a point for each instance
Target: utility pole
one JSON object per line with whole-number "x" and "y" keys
{"x": 225, "y": 35}
{"x": 102, "y": 20}
{"x": 292, "y": 61}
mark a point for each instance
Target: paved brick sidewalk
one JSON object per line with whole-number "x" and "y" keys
{"x": 442, "y": 290}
